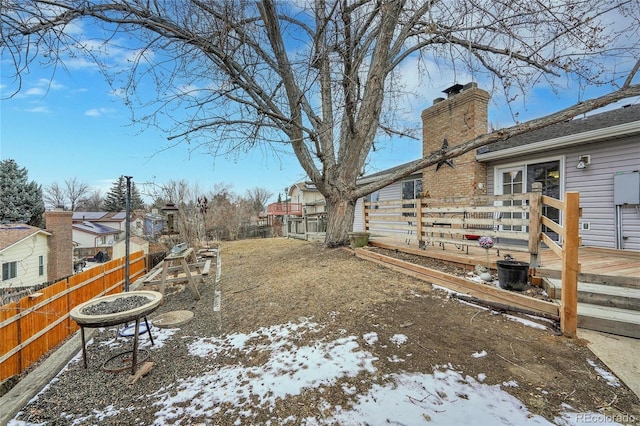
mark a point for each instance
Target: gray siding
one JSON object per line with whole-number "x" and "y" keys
{"x": 595, "y": 185}
{"x": 390, "y": 192}
{"x": 358, "y": 220}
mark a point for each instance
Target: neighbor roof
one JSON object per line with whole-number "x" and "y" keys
{"x": 11, "y": 234}
{"x": 99, "y": 216}
{"x": 95, "y": 228}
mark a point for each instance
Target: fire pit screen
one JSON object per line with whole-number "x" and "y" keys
{"x": 117, "y": 309}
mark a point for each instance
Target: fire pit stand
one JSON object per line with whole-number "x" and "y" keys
{"x": 87, "y": 320}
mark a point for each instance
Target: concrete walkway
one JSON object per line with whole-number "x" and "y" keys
{"x": 620, "y": 354}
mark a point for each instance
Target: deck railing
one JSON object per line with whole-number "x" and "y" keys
{"x": 456, "y": 221}
{"x": 35, "y": 324}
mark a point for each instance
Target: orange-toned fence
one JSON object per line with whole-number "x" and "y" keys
{"x": 35, "y": 324}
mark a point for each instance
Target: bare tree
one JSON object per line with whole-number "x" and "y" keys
{"x": 92, "y": 202}
{"x": 228, "y": 212}
{"x": 76, "y": 192}
{"x": 54, "y": 196}
{"x": 258, "y": 198}
{"x": 321, "y": 77}
{"x": 71, "y": 196}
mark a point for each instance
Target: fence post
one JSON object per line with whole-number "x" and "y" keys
{"x": 570, "y": 265}
{"x": 419, "y": 221}
{"x": 535, "y": 227}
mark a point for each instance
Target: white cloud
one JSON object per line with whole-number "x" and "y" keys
{"x": 35, "y": 91}
{"x": 99, "y": 112}
{"x": 38, "y": 109}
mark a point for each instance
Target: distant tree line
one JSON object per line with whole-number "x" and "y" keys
{"x": 202, "y": 214}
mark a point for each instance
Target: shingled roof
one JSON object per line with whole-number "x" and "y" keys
{"x": 95, "y": 228}
{"x": 11, "y": 234}
{"x": 626, "y": 114}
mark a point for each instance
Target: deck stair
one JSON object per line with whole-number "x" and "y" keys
{"x": 607, "y": 306}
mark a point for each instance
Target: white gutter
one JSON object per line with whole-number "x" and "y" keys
{"x": 563, "y": 141}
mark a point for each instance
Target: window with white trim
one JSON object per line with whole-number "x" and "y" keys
{"x": 9, "y": 270}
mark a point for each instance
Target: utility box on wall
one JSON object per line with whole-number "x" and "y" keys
{"x": 626, "y": 188}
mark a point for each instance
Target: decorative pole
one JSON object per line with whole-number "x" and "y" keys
{"x": 127, "y": 234}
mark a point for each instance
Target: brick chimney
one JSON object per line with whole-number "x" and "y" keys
{"x": 457, "y": 119}
{"x": 60, "y": 260}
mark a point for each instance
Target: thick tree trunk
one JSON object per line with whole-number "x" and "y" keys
{"x": 340, "y": 221}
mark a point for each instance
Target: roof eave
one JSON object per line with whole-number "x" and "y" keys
{"x": 40, "y": 231}
{"x": 621, "y": 130}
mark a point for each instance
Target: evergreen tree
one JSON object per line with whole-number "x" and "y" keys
{"x": 20, "y": 200}
{"x": 116, "y": 199}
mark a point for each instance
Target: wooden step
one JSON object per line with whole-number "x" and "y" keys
{"x": 598, "y": 294}
{"x": 623, "y": 322}
{"x": 612, "y": 280}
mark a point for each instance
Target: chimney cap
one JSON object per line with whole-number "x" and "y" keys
{"x": 453, "y": 90}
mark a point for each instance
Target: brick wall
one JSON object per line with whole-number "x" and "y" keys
{"x": 459, "y": 118}
{"x": 60, "y": 259}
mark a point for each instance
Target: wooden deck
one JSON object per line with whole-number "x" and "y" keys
{"x": 596, "y": 264}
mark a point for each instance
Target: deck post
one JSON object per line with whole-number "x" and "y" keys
{"x": 535, "y": 228}
{"x": 570, "y": 265}
{"x": 419, "y": 221}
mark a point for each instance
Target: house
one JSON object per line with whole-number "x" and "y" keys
{"x": 307, "y": 195}
{"x": 23, "y": 255}
{"x": 597, "y": 156}
{"x": 278, "y": 212}
{"x": 94, "y": 232}
{"x": 408, "y": 188}
{"x": 116, "y": 220}
{"x": 153, "y": 225}
{"x": 31, "y": 256}
{"x": 136, "y": 244}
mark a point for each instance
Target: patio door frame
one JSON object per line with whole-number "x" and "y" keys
{"x": 499, "y": 170}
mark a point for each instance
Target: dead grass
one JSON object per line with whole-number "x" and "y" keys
{"x": 278, "y": 280}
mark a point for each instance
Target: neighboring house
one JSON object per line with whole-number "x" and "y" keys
{"x": 137, "y": 224}
{"x": 91, "y": 238}
{"x": 31, "y": 256}
{"x": 135, "y": 244}
{"x": 97, "y": 231}
{"x": 153, "y": 225}
{"x": 307, "y": 195}
{"x": 23, "y": 255}
{"x": 597, "y": 156}
{"x": 277, "y": 212}
{"x": 116, "y": 220}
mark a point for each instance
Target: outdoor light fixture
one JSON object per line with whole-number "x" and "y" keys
{"x": 583, "y": 162}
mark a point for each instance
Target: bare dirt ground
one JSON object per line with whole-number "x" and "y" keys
{"x": 275, "y": 281}
{"x": 309, "y": 280}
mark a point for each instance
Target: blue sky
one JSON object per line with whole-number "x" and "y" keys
{"x": 70, "y": 125}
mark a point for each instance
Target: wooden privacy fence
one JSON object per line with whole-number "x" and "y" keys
{"x": 515, "y": 222}
{"x": 35, "y": 324}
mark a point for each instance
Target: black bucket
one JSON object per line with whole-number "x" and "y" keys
{"x": 512, "y": 274}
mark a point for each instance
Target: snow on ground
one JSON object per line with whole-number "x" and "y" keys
{"x": 444, "y": 396}
{"x": 610, "y": 378}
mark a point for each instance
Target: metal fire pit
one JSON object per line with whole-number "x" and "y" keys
{"x": 105, "y": 320}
